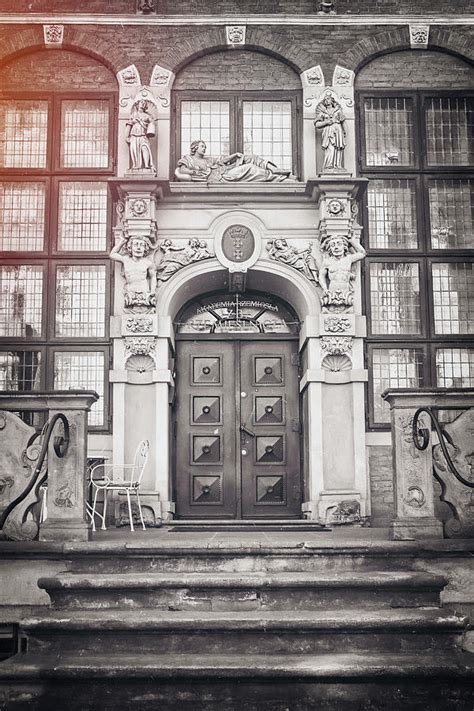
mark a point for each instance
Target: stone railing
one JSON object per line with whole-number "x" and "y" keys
{"x": 57, "y": 455}
{"x": 416, "y": 458}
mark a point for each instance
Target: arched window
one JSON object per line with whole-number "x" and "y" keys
{"x": 416, "y": 141}
{"x": 239, "y": 101}
{"x": 56, "y": 153}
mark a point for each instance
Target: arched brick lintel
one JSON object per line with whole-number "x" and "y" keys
{"x": 224, "y": 48}
{"x": 451, "y": 41}
{"x": 31, "y": 40}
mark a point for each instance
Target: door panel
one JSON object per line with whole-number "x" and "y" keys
{"x": 237, "y": 430}
{"x": 205, "y": 430}
{"x": 270, "y": 456}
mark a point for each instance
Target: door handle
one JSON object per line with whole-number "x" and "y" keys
{"x": 244, "y": 429}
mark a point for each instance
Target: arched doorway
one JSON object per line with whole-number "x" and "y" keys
{"x": 237, "y": 414}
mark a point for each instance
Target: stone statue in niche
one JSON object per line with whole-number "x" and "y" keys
{"x": 300, "y": 259}
{"x": 336, "y": 275}
{"x": 174, "y": 257}
{"x": 331, "y": 122}
{"x": 236, "y": 168}
{"x": 140, "y": 128}
{"x": 136, "y": 256}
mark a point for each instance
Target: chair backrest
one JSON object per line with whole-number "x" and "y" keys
{"x": 139, "y": 461}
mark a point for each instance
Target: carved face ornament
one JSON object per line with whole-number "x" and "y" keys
{"x": 336, "y": 247}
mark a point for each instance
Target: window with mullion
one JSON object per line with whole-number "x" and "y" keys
{"x": 419, "y": 214}
{"x": 245, "y": 122}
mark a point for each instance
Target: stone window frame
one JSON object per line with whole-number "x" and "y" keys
{"x": 425, "y": 254}
{"x": 236, "y": 99}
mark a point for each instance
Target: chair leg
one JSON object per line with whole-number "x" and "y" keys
{"x": 104, "y": 527}
{"x": 130, "y": 510}
{"x": 140, "y": 509}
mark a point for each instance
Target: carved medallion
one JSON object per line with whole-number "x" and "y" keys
{"x": 238, "y": 243}
{"x": 138, "y": 207}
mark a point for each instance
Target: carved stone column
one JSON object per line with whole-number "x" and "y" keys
{"x": 413, "y": 471}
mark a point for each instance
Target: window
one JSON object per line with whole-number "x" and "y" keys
{"x": 244, "y": 122}
{"x": 55, "y": 157}
{"x": 419, "y": 213}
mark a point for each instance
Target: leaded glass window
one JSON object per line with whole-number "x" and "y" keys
{"x": 23, "y": 134}
{"x": 22, "y": 216}
{"x": 451, "y": 204}
{"x": 84, "y": 134}
{"x": 453, "y": 297}
{"x": 21, "y": 301}
{"x": 82, "y": 216}
{"x": 208, "y": 121}
{"x": 80, "y": 301}
{"x": 395, "y": 298}
{"x": 82, "y": 370}
{"x": 449, "y": 130}
{"x": 267, "y": 131}
{"x": 394, "y": 368}
{"x": 20, "y": 370}
{"x": 389, "y": 131}
{"x": 391, "y": 206}
{"x": 455, "y": 367}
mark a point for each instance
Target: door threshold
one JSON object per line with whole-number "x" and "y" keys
{"x": 244, "y": 525}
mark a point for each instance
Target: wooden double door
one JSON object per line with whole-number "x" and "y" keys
{"x": 237, "y": 429}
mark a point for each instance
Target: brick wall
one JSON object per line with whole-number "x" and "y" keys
{"x": 381, "y": 484}
{"x": 233, "y": 7}
{"x": 56, "y": 70}
{"x": 416, "y": 69}
{"x": 238, "y": 69}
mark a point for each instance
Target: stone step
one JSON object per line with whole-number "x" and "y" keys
{"x": 146, "y": 631}
{"x": 244, "y": 591}
{"x": 239, "y": 683}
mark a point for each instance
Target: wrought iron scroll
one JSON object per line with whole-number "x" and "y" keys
{"x": 60, "y": 445}
{"x": 421, "y": 439}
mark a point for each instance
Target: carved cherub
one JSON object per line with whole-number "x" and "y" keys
{"x": 138, "y": 269}
{"x": 300, "y": 259}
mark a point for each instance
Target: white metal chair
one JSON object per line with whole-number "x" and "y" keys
{"x": 122, "y": 478}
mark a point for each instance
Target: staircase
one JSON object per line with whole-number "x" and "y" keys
{"x": 242, "y": 627}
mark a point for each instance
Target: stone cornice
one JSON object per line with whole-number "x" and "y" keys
{"x": 213, "y": 20}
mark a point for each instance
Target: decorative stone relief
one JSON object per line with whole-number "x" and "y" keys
{"x": 140, "y": 363}
{"x": 143, "y": 346}
{"x": 135, "y": 253}
{"x": 53, "y": 35}
{"x": 129, "y": 76}
{"x": 335, "y": 207}
{"x": 236, "y": 168}
{"x": 238, "y": 243}
{"x": 419, "y": 35}
{"x": 140, "y": 128}
{"x": 139, "y": 324}
{"x": 146, "y": 7}
{"x": 326, "y": 7}
{"x": 336, "y": 274}
{"x": 337, "y": 324}
{"x": 330, "y": 121}
{"x": 346, "y": 512}
{"x": 343, "y": 77}
{"x": 138, "y": 207}
{"x": 314, "y": 76}
{"x": 457, "y": 495}
{"x": 235, "y": 34}
{"x": 300, "y": 259}
{"x": 336, "y": 363}
{"x": 415, "y": 497}
{"x": 160, "y": 76}
{"x": 174, "y": 257}
{"x": 336, "y": 345}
